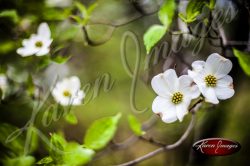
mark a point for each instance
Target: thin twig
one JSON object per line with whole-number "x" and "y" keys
{"x": 162, "y": 149}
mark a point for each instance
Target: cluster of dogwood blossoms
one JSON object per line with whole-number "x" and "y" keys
{"x": 209, "y": 78}
{"x": 65, "y": 92}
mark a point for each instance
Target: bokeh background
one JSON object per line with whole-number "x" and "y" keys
{"x": 110, "y": 20}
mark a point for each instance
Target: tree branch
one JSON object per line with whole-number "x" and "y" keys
{"x": 167, "y": 147}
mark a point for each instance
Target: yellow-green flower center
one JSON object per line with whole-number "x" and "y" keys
{"x": 177, "y": 98}
{"x": 39, "y": 44}
{"x": 66, "y": 93}
{"x": 210, "y": 80}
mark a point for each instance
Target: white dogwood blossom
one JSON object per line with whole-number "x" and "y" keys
{"x": 212, "y": 78}
{"x": 174, "y": 95}
{"x": 59, "y": 3}
{"x": 67, "y": 91}
{"x": 3, "y": 84}
{"x": 38, "y": 44}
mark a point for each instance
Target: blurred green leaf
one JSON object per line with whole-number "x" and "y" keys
{"x": 6, "y": 47}
{"x": 76, "y": 155}
{"x": 45, "y": 161}
{"x": 57, "y": 143}
{"x": 194, "y": 8}
{"x": 71, "y": 118}
{"x": 166, "y": 13}
{"x": 15, "y": 145}
{"x": 12, "y": 14}
{"x": 211, "y": 4}
{"x": 153, "y": 35}
{"x": 135, "y": 125}
{"x": 101, "y": 132}
{"x": 244, "y": 60}
{"x": 20, "y": 161}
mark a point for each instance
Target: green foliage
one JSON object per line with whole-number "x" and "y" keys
{"x": 166, "y": 13}
{"x": 45, "y": 161}
{"x": 154, "y": 34}
{"x": 11, "y": 14}
{"x": 67, "y": 153}
{"x": 15, "y": 145}
{"x": 20, "y": 161}
{"x": 85, "y": 13}
{"x": 101, "y": 132}
{"x": 194, "y": 8}
{"x": 6, "y": 47}
{"x": 211, "y": 4}
{"x": 135, "y": 125}
{"x": 244, "y": 60}
{"x": 57, "y": 144}
{"x": 71, "y": 118}
{"x": 76, "y": 155}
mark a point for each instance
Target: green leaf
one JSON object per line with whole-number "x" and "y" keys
{"x": 20, "y": 161}
{"x": 12, "y": 14}
{"x": 15, "y": 144}
{"x": 76, "y": 155}
{"x": 101, "y": 132}
{"x": 45, "y": 161}
{"x": 153, "y": 36}
{"x": 135, "y": 125}
{"x": 82, "y": 8}
{"x": 71, "y": 118}
{"x": 57, "y": 144}
{"x": 244, "y": 60}
{"x": 194, "y": 8}
{"x": 166, "y": 13}
{"x": 211, "y": 4}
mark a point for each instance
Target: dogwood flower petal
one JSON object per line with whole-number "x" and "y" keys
{"x": 188, "y": 87}
{"x": 44, "y": 31}
{"x": 181, "y": 111}
{"x": 218, "y": 65}
{"x": 171, "y": 79}
{"x": 210, "y": 95}
{"x": 159, "y": 85}
{"x": 169, "y": 116}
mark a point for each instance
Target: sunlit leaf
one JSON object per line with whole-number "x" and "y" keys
{"x": 57, "y": 144}
{"x": 166, "y": 13}
{"x": 244, "y": 60}
{"x": 153, "y": 36}
{"x": 194, "y": 8}
{"x": 76, "y": 155}
{"x": 17, "y": 144}
{"x": 20, "y": 161}
{"x": 45, "y": 161}
{"x": 12, "y": 14}
{"x": 71, "y": 118}
{"x": 135, "y": 125}
{"x": 101, "y": 132}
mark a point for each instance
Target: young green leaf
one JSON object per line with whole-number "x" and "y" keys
{"x": 101, "y": 132}
{"x": 71, "y": 118}
{"x": 135, "y": 125}
{"x": 153, "y": 36}
{"x": 45, "y": 161}
{"x": 166, "y": 13}
{"x": 57, "y": 144}
{"x": 194, "y": 8}
{"x": 244, "y": 60}
{"x": 76, "y": 155}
